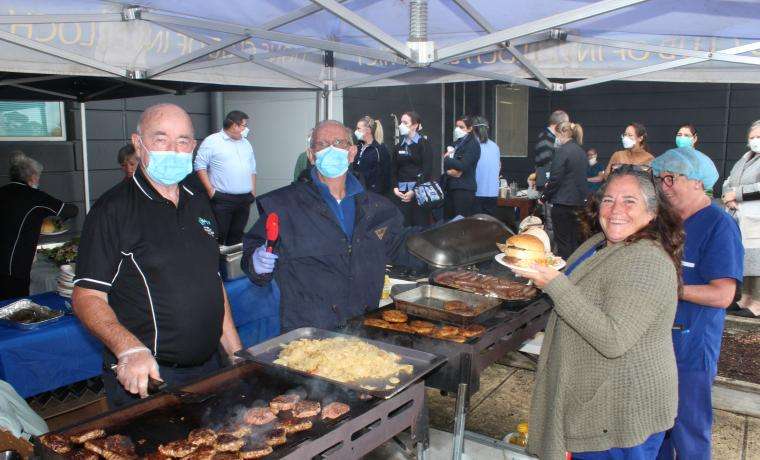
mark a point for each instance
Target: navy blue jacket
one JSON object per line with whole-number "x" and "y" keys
{"x": 325, "y": 279}
{"x": 466, "y": 157}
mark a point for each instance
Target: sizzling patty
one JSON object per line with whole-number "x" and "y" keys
{"x": 334, "y": 410}
{"x": 453, "y": 305}
{"x": 228, "y": 443}
{"x": 294, "y": 425}
{"x": 84, "y": 454}
{"x": 238, "y": 430}
{"x": 421, "y": 327}
{"x": 284, "y": 402}
{"x": 259, "y": 416}
{"x": 376, "y": 322}
{"x": 276, "y": 437}
{"x": 58, "y": 443}
{"x": 448, "y": 331}
{"x": 255, "y": 450}
{"x": 116, "y": 447}
{"x": 177, "y": 449}
{"x": 305, "y": 409}
{"x": 84, "y": 436}
{"x": 202, "y": 453}
{"x": 395, "y": 316}
{"x": 472, "y": 330}
{"x": 202, "y": 437}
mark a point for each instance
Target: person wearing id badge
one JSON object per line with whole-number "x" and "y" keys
{"x": 712, "y": 269}
{"x": 412, "y": 165}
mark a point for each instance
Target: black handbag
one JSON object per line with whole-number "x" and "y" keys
{"x": 429, "y": 194}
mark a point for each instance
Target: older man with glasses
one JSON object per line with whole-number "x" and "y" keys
{"x": 712, "y": 267}
{"x": 334, "y": 242}
{"x": 147, "y": 282}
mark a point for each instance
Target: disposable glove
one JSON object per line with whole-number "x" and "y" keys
{"x": 263, "y": 261}
{"x": 133, "y": 369}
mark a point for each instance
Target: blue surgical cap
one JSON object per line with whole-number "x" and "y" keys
{"x": 688, "y": 162}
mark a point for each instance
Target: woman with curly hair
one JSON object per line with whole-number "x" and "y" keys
{"x": 607, "y": 384}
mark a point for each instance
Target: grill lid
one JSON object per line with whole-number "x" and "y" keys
{"x": 464, "y": 242}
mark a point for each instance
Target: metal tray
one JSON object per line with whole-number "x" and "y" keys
{"x": 427, "y": 301}
{"x": 25, "y": 314}
{"x": 422, "y": 362}
{"x": 229, "y": 262}
{"x": 464, "y": 242}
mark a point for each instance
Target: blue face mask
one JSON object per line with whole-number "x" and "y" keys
{"x": 332, "y": 162}
{"x": 684, "y": 141}
{"x": 168, "y": 167}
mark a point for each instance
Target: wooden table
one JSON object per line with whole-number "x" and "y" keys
{"x": 525, "y": 205}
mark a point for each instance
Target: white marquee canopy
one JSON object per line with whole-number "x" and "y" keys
{"x": 557, "y": 45}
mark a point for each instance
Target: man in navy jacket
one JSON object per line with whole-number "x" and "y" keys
{"x": 335, "y": 239}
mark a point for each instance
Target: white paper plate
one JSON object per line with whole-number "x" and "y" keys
{"x": 558, "y": 264}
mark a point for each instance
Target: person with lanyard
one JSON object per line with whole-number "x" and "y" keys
{"x": 335, "y": 239}
{"x": 606, "y": 382}
{"x": 373, "y": 160}
{"x": 147, "y": 275}
{"x": 412, "y": 163}
{"x": 226, "y": 166}
{"x": 712, "y": 267}
{"x": 23, "y": 208}
{"x": 459, "y": 184}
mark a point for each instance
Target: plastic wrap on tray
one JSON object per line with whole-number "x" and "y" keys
{"x": 487, "y": 285}
{"x": 25, "y": 314}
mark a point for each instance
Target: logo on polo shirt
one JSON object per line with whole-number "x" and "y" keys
{"x": 206, "y": 224}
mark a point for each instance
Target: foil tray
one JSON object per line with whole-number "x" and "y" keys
{"x": 427, "y": 301}
{"x": 25, "y": 314}
{"x": 422, "y": 362}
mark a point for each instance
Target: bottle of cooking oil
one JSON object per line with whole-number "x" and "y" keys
{"x": 386, "y": 288}
{"x": 521, "y": 439}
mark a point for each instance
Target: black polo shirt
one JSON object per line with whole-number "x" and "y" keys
{"x": 23, "y": 208}
{"x": 159, "y": 264}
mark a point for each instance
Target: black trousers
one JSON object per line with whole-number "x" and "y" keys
{"x": 485, "y": 205}
{"x": 231, "y": 212}
{"x": 459, "y": 203}
{"x": 414, "y": 215}
{"x": 118, "y": 397}
{"x": 12, "y": 287}
{"x": 567, "y": 231}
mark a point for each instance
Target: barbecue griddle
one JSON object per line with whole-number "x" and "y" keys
{"x": 423, "y": 362}
{"x": 163, "y": 418}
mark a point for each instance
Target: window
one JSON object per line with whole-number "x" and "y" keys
{"x": 32, "y": 121}
{"x": 512, "y": 120}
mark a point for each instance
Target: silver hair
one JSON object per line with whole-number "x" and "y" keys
{"x": 558, "y": 116}
{"x": 646, "y": 186}
{"x": 755, "y": 124}
{"x": 23, "y": 168}
{"x": 324, "y": 124}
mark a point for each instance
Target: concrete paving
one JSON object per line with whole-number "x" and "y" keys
{"x": 504, "y": 401}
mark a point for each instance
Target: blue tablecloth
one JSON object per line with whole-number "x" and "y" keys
{"x": 62, "y": 353}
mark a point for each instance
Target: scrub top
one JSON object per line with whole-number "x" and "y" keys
{"x": 713, "y": 250}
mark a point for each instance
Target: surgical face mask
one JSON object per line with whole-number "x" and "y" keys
{"x": 332, "y": 162}
{"x": 403, "y": 129}
{"x": 168, "y": 167}
{"x": 684, "y": 141}
{"x": 592, "y": 161}
{"x": 754, "y": 144}
{"x": 628, "y": 143}
{"x": 459, "y": 133}
{"x": 35, "y": 186}
{"x": 245, "y": 132}
{"x": 359, "y": 134}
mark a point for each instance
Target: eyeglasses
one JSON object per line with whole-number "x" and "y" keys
{"x": 668, "y": 180}
{"x": 628, "y": 167}
{"x": 340, "y": 143}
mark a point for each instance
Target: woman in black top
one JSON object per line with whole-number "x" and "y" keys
{"x": 567, "y": 188}
{"x": 373, "y": 159}
{"x": 23, "y": 208}
{"x": 412, "y": 164}
{"x": 459, "y": 167}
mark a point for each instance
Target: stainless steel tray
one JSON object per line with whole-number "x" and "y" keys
{"x": 464, "y": 242}
{"x": 422, "y": 362}
{"x": 229, "y": 262}
{"x": 25, "y": 314}
{"x": 427, "y": 301}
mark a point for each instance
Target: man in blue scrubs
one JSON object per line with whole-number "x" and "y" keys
{"x": 712, "y": 266}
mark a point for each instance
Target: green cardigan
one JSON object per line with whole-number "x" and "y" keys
{"x": 607, "y": 372}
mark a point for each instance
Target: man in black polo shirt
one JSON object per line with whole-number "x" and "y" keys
{"x": 147, "y": 281}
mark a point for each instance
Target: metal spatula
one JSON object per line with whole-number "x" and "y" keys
{"x": 186, "y": 397}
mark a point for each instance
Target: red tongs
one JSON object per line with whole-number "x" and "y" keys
{"x": 273, "y": 230}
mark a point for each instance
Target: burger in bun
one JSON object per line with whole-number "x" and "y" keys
{"x": 524, "y": 250}
{"x": 541, "y": 235}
